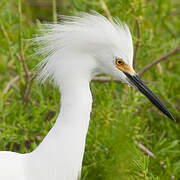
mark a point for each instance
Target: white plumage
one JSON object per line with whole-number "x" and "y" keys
{"x": 88, "y": 34}
{"x": 77, "y": 49}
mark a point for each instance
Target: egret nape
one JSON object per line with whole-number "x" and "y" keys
{"x": 77, "y": 49}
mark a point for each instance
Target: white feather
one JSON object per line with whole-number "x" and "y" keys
{"x": 86, "y": 32}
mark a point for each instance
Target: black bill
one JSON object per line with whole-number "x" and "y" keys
{"x": 137, "y": 82}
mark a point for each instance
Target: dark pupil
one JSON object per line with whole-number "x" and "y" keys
{"x": 119, "y": 62}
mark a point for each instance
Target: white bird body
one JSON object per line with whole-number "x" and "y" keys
{"x": 68, "y": 135}
{"x": 53, "y": 158}
{"x": 12, "y": 166}
{"x": 77, "y": 50}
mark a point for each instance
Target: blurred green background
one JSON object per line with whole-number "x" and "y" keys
{"x": 123, "y": 122}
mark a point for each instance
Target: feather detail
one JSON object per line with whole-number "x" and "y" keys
{"x": 86, "y": 32}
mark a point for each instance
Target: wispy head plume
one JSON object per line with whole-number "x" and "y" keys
{"x": 86, "y": 32}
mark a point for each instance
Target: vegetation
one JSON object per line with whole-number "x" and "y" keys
{"x": 124, "y": 125}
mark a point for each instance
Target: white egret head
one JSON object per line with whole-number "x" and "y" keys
{"x": 87, "y": 45}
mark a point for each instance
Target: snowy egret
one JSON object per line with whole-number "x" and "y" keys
{"x": 77, "y": 49}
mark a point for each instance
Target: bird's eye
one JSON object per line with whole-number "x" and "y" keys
{"x": 119, "y": 61}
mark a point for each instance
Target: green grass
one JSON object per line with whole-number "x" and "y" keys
{"x": 119, "y": 117}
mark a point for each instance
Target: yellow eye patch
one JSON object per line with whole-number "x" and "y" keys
{"x": 122, "y": 66}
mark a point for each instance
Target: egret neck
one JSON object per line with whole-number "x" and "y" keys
{"x": 61, "y": 152}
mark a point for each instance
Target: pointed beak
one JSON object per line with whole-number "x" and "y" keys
{"x": 135, "y": 80}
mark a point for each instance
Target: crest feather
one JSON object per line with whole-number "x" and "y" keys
{"x": 83, "y": 32}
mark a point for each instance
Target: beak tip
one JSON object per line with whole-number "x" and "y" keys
{"x": 172, "y": 118}
{"x": 169, "y": 115}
